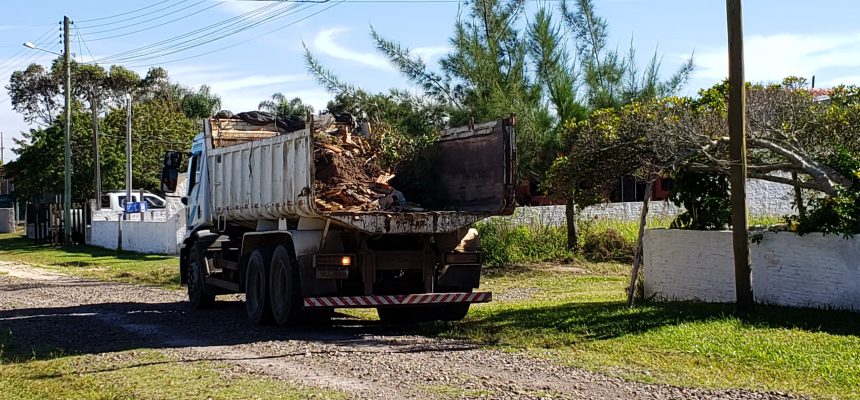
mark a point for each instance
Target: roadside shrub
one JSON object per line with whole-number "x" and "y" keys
{"x": 838, "y": 214}
{"x": 505, "y": 243}
{"x": 608, "y": 240}
{"x": 705, "y": 197}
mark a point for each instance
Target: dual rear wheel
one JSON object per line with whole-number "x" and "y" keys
{"x": 272, "y": 291}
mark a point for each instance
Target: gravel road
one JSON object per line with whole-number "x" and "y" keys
{"x": 364, "y": 359}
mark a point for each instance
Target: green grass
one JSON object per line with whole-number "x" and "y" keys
{"x": 93, "y": 262}
{"x": 139, "y": 374}
{"x": 580, "y": 319}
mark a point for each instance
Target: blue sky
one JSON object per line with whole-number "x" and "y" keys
{"x": 783, "y": 37}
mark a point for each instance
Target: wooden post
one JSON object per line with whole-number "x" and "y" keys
{"x": 738, "y": 156}
{"x": 570, "y": 223}
{"x": 637, "y": 259}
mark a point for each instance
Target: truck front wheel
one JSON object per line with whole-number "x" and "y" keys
{"x": 199, "y": 295}
{"x": 256, "y": 287}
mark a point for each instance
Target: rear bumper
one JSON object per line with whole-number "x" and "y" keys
{"x": 399, "y": 300}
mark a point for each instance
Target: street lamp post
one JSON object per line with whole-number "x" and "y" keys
{"x": 67, "y": 196}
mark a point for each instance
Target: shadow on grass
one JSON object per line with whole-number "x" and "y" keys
{"x": 19, "y": 245}
{"x": 558, "y": 325}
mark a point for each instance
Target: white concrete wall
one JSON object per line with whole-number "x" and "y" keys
{"x": 7, "y": 220}
{"x": 688, "y": 265}
{"x": 152, "y": 237}
{"x": 807, "y": 271}
{"x": 765, "y": 199}
{"x": 789, "y": 270}
{"x": 160, "y": 232}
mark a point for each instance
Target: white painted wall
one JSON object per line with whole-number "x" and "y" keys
{"x": 7, "y": 220}
{"x": 789, "y": 270}
{"x": 160, "y": 232}
{"x": 765, "y": 199}
{"x": 151, "y": 237}
{"x": 688, "y": 265}
{"x": 807, "y": 271}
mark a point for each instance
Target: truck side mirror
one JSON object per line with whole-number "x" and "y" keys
{"x": 170, "y": 171}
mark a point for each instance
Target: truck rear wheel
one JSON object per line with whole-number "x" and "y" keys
{"x": 284, "y": 291}
{"x": 256, "y": 287}
{"x": 199, "y": 295}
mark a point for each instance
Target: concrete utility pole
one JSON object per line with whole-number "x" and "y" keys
{"x": 2, "y": 149}
{"x": 738, "y": 156}
{"x": 67, "y": 198}
{"x": 97, "y": 175}
{"x": 128, "y": 154}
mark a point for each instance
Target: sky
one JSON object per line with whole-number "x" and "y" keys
{"x": 782, "y": 38}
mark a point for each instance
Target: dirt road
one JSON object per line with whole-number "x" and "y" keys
{"x": 364, "y": 359}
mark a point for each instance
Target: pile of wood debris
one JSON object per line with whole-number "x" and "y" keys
{"x": 347, "y": 177}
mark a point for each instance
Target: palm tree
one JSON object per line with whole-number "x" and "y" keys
{"x": 280, "y": 106}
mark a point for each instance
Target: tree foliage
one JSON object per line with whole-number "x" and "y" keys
{"x": 163, "y": 118}
{"x": 283, "y": 107}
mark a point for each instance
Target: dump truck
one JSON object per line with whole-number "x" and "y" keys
{"x": 254, "y": 225}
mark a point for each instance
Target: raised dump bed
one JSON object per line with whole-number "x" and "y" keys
{"x": 258, "y": 172}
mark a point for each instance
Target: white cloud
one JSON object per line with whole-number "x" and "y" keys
{"x": 325, "y": 42}
{"x": 773, "y": 57}
{"x": 227, "y": 85}
{"x": 429, "y": 53}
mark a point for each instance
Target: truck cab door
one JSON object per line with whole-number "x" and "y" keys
{"x": 195, "y": 198}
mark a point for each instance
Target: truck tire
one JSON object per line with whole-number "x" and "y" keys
{"x": 199, "y": 295}
{"x": 256, "y": 287}
{"x": 284, "y": 291}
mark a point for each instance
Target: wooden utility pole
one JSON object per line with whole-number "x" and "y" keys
{"x": 738, "y": 156}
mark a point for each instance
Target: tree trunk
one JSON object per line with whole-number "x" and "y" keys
{"x": 572, "y": 229}
{"x": 798, "y": 198}
{"x": 637, "y": 260}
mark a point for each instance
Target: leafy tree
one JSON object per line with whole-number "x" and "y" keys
{"x": 39, "y": 167}
{"x": 34, "y": 93}
{"x": 282, "y": 107}
{"x": 164, "y": 114}
{"x": 199, "y": 104}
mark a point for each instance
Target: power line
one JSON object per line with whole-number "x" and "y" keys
{"x": 81, "y": 37}
{"x": 196, "y": 12}
{"x": 17, "y": 61}
{"x": 125, "y": 13}
{"x": 206, "y": 38}
{"x": 136, "y": 16}
{"x": 218, "y": 25}
{"x": 38, "y": 42}
{"x": 244, "y": 41}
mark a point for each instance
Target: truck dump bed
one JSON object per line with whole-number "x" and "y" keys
{"x": 258, "y": 173}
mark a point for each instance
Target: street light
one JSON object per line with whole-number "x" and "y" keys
{"x": 67, "y": 198}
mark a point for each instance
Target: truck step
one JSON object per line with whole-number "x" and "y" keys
{"x": 398, "y": 300}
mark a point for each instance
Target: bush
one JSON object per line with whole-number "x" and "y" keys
{"x": 504, "y": 243}
{"x": 608, "y": 240}
{"x": 839, "y": 214}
